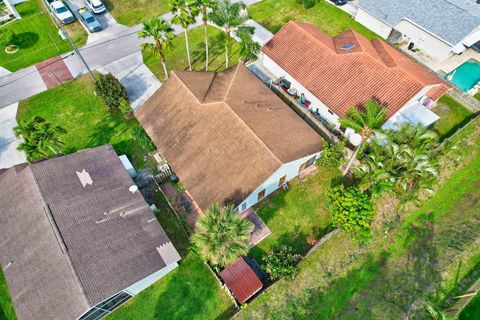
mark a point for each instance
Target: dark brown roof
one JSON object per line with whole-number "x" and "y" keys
{"x": 241, "y": 280}
{"x": 342, "y": 78}
{"x": 74, "y": 244}
{"x": 224, "y": 133}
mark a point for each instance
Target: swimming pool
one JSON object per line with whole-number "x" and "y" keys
{"x": 466, "y": 76}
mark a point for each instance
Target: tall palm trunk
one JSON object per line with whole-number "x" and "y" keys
{"x": 165, "y": 68}
{"x": 188, "y": 49}
{"x": 206, "y": 45}
{"x": 227, "y": 30}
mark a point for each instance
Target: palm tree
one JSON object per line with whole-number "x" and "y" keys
{"x": 162, "y": 33}
{"x": 435, "y": 314}
{"x": 364, "y": 122}
{"x": 204, "y": 6}
{"x": 249, "y": 49}
{"x": 39, "y": 136}
{"x": 221, "y": 235}
{"x": 184, "y": 12}
{"x": 405, "y": 160}
{"x": 228, "y": 16}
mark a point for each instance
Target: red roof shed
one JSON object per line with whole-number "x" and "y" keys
{"x": 242, "y": 281}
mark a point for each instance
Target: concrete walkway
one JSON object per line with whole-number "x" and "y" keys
{"x": 9, "y": 155}
{"x": 351, "y": 7}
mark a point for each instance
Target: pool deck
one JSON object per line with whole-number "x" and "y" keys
{"x": 446, "y": 66}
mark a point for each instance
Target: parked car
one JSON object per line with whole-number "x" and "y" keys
{"x": 89, "y": 20}
{"x": 340, "y": 2}
{"x": 96, "y": 6}
{"x": 62, "y": 12}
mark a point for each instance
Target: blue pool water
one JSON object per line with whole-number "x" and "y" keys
{"x": 466, "y": 76}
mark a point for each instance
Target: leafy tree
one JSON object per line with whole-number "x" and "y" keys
{"x": 221, "y": 235}
{"x": 364, "y": 122}
{"x": 352, "y": 210}
{"x": 228, "y": 16}
{"x": 143, "y": 139}
{"x": 184, "y": 12}
{"x": 249, "y": 49}
{"x": 125, "y": 107}
{"x": 406, "y": 161}
{"x": 110, "y": 90}
{"x": 281, "y": 262}
{"x": 40, "y": 137}
{"x": 162, "y": 33}
{"x": 204, "y": 6}
{"x": 6, "y": 37}
{"x": 332, "y": 155}
{"x": 307, "y": 4}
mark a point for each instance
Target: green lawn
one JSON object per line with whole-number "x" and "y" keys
{"x": 477, "y": 96}
{"x": 84, "y": 116}
{"x": 177, "y": 57}
{"x": 452, "y": 116}
{"x": 274, "y": 14}
{"x": 296, "y": 213}
{"x": 6, "y": 309}
{"x": 132, "y": 12}
{"x": 415, "y": 261}
{"x": 472, "y": 311}
{"x": 37, "y": 37}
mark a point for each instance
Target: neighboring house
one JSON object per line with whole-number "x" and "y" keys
{"x": 75, "y": 240}
{"x": 228, "y": 137}
{"x": 338, "y": 73}
{"x": 440, "y": 28}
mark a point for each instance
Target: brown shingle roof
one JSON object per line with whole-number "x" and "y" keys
{"x": 241, "y": 280}
{"x": 74, "y": 246}
{"x": 226, "y": 137}
{"x": 343, "y": 78}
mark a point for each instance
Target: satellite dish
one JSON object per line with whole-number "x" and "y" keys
{"x": 133, "y": 189}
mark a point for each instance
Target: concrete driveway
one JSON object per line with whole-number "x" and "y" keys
{"x": 110, "y": 27}
{"x": 9, "y": 155}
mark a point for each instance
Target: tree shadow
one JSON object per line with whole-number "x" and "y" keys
{"x": 25, "y": 40}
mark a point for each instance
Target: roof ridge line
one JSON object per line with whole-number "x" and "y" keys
{"x": 245, "y": 124}
{"x": 231, "y": 82}
{"x": 185, "y": 86}
{"x": 209, "y": 88}
{"x": 295, "y": 23}
{"x": 48, "y": 212}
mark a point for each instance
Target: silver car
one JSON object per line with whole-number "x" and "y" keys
{"x": 89, "y": 20}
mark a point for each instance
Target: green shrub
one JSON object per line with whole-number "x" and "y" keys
{"x": 281, "y": 262}
{"x": 6, "y": 37}
{"x": 110, "y": 90}
{"x": 332, "y": 155}
{"x": 125, "y": 107}
{"x": 352, "y": 210}
{"x": 143, "y": 139}
{"x": 307, "y": 4}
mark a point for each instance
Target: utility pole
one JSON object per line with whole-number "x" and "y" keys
{"x": 65, "y": 33}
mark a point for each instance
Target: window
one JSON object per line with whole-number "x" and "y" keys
{"x": 244, "y": 206}
{"x": 303, "y": 167}
{"x": 261, "y": 195}
{"x": 282, "y": 180}
{"x": 311, "y": 161}
{"x": 347, "y": 46}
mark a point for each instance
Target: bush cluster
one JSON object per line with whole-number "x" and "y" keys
{"x": 332, "y": 155}
{"x": 6, "y": 37}
{"x": 111, "y": 91}
{"x": 281, "y": 262}
{"x": 352, "y": 210}
{"x": 307, "y": 4}
{"x": 143, "y": 139}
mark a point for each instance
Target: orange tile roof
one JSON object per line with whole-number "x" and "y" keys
{"x": 342, "y": 78}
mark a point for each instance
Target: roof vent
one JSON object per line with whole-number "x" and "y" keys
{"x": 347, "y": 46}
{"x": 9, "y": 264}
{"x": 85, "y": 178}
{"x": 133, "y": 188}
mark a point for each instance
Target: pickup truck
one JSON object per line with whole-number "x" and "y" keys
{"x": 62, "y": 12}
{"x": 89, "y": 20}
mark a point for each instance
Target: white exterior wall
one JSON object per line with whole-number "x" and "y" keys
{"x": 373, "y": 23}
{"x": 316, "y": 105}
{"x": 472, "y": 38}
{"x": 291, "y": 170}
{"x": 432, "y": 45}
{"x": 141, "y": 285}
